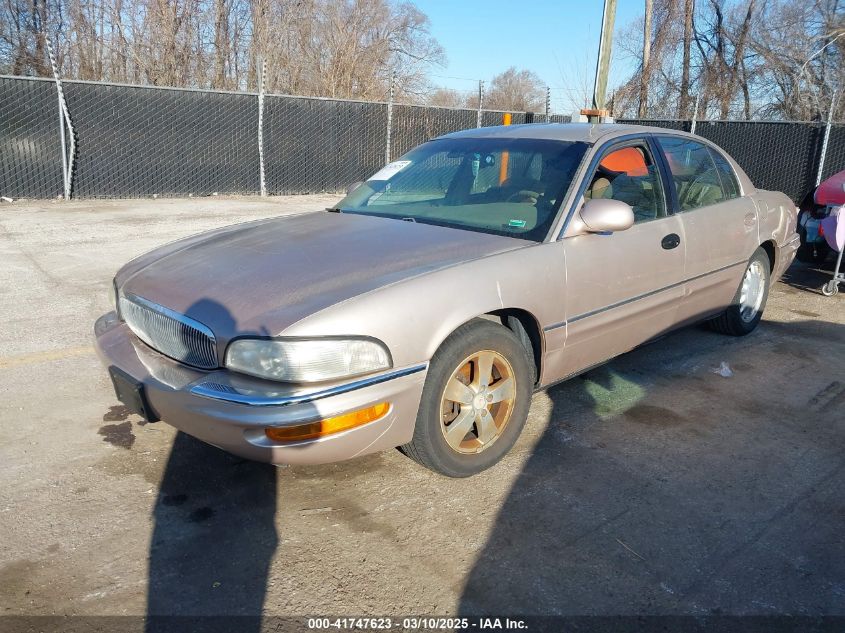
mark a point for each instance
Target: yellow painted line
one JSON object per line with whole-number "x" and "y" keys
{"x": 44, "y": 357}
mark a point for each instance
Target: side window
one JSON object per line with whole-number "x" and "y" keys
{"x": 730, "y": 185}
{"x": 629, "y": 174}
{"x": 695, "y": 174}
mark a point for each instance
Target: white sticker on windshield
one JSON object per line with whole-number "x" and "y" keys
{"x": 390, "y": 170}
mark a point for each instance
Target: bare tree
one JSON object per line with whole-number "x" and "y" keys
{"x": 25, "y": 26}
{"x": 683, "y": 104}
{"x": 660, "y": 81}
{"x": 448, "y": 98}
{"x": 801, "y": 61}
{"x": 721, "y": 43}
{"x": 339, "y": 48}
{"x": 222, "y": 42}
{"x": 517, "y": 90}
{"x": 781, "y": 58}
{"x": 343, "y": 49}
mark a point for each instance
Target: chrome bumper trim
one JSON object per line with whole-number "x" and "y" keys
{"x": 227, "y": 393}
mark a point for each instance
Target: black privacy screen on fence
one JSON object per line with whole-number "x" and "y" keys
{"x": 313, "y": 145}
{"x": 30, "y": 149}
{"x": 140, "y": 141}
{"x": 134, "y": 141}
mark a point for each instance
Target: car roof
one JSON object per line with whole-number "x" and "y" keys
{"x": 591, "y": 133}
{"x": 583, "y": 132}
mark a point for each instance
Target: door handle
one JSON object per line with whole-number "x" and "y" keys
{"x": 670, "y": 241}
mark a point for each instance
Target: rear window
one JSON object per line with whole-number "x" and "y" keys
{"x": 694, "y": 174}
{"x": 730, "y": 185}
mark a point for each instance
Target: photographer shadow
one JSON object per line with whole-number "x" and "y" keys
{"x": 659, "y": 488}
{"x": 214, "y": 534}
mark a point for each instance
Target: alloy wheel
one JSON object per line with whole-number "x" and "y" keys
{"x": 477, "y": 402}
{"x": 752, "y": 292}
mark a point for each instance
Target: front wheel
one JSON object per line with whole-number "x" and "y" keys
{"x": 475, "y": 400}
{"x": 746, "y": 309}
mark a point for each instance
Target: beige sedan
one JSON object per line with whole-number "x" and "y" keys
{"x": 424, "y": 310}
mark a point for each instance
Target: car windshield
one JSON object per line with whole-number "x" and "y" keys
{"x": 505, "y": 186}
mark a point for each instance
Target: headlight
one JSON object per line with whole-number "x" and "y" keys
{"x": 309, "y": 360}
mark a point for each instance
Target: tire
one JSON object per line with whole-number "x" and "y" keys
{"x": 458, "y": 359}
{"x": 737, "y": 319}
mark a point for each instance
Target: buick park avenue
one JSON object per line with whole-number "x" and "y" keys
{"x": 425, "y": 308}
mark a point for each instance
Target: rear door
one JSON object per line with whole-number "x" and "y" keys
{"x": 623, "y": 288}
{"x": 720, "y": 224}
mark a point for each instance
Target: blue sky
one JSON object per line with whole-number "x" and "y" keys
{"x": 557, "y": 39}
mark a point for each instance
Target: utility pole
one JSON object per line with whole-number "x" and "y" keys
{"x": 387, "y": 137}
{"x": 826, "y": 139}
{"x": 646, "y": 71}
{"x": 480, "y": 102}
{"x": 694, "y": 115}
{"x": 599, "y": 110}
{"x": 262, "y": 77}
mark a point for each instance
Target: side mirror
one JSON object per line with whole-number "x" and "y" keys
{"x": 353, "y": 186}
{"x": 602, "y": 215}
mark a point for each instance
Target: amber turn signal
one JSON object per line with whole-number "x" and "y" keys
{"x": 327, "y": 426}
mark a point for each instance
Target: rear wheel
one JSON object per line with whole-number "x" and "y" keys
{"x": 475, "y": 401}
{"x": 746, "y": 309}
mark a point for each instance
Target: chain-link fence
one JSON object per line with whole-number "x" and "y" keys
{"x": 30, "y": 147}
{"x": 135, "y": 141}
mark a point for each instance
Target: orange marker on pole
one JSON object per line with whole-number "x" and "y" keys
{"x": 503, "y": 164}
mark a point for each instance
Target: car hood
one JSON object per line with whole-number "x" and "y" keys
{"x": 261, "y": 277}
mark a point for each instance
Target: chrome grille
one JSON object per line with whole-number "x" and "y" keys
{"x": 169, "y": 332}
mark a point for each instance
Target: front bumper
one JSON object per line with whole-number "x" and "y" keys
{"x": 231, "y": 411}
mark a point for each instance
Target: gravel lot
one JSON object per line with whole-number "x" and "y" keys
{"x": 651, "y": 485}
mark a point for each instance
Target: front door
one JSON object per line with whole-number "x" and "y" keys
{"x": 623, "y": 288}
